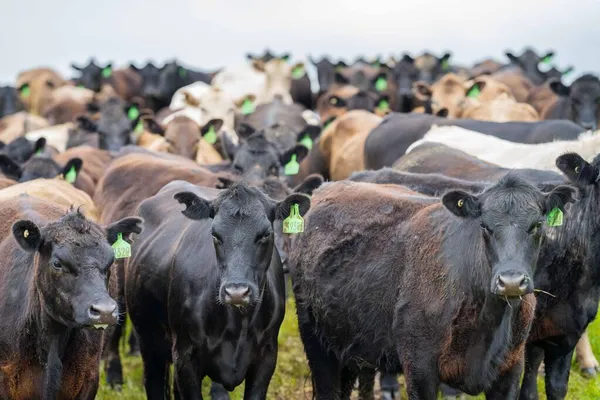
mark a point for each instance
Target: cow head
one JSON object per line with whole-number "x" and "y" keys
{"x": 150, "y": 78}
{"x": 114, "y": 126}
{"x": 583, "y": 100}
{"x": 278, "y": 79}
{"x": 20, "y": 150}
{"x": 405, "y": 73}
{"x": 217, "y": 104}
{"x": 325, "y": 73}
{"x": 431, "y": 67}
{"x": 507, "y": 221}
{"x": 183, "y": 135}
{"x": 93, "y": 76}
{"x": 172, "y": 77}
{"x": 74, "y": 259}
{"x": 243, "y": 236}
{"x": 529, "y": 62}
{"x": 38, "y": 167}
{"x": 10, "y": 102}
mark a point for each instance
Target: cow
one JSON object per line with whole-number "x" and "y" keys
{"x": 341, "y": 99}
{"x": 516, "y": 81}
{"x": 388, "y": 141}
{"x": 430, "y": 67}
{"x": 579, "y": 102}
{"x": 126, "y": 82}
{"x": 20, "y": 150}
{"x": 510, "y": 154}
{"x": 53, "y": 293}
{"x": 40, "y": 166}
{"x": 445, "y": 320}
{"x": 405, "y": 73}
{"x": 540, "y": 97}
{"x": 239, "y": 291}
{"x": 502, "y": 109}
{"x": 16, "y": 125}
{"x": 325, "y": 73}
{"x": 150, "y": 75}
{"x": 10, "y": 103}
{"x": 185, "y": 138}
{"x": 278, "y": 80}
{"x": 35, "y": 87}
{"x": 529, "y": 63}
{"x": 67, "y": 103}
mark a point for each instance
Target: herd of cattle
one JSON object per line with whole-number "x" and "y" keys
{"x": 457, "y": 240}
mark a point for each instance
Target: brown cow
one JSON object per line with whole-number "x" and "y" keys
{"x": 518, "y": 83}
{"x": 342, "y": 143}
{"x": 66, "y": 104}
{"x": 540, "y": 97}
{"x": 53, "y": 293}
{"x": 16, "y": 125}
{"x": 35, "y": 88}
{"x": 502, "y": 109}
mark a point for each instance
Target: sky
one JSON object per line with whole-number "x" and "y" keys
{"x": 209, "y": 34}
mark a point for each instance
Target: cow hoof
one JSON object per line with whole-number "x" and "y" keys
{"x": 114, "y": 374}
{"x": 387, "y": 395}
{"x": 589, "y": 373}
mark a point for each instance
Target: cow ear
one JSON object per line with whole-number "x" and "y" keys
{"x": 547, "y": 58}
{"x": 282, "y": 210}
{"x": 215, "y": 124}
{"x": 10, "y": 168}
{"x": 85, "y": 123}
{"x": 195, "y": 207}
{"x": 153, "y": 126}
{"x": 126, "y": 227}
{"x": 258, "y": 65}
{"x": 407, "y": 58}
{"x": 462, "y": 204}
{"x": 250, "y": 57}
{"x": 39, "y": 145}
{"x": 309, "y": 185}
{"x": 71, "y": 170}
{"x": 75, "y": 67}
{"x": 567, "y": 71}
{"x": 422, "y": 90}
{"x": 27, "y": 234}
{"x": 337, "y": 102}
{"x": 341, "y": 79}
{"x": 559, "y": 197}
{"x": 512, "y": 57}
{"x": 313, "y": 132}
{"x": 577, "y": 169}
{"x": 559, "y": 88}
{"x": 299, "y": 150}
{"x": 133, "y": 67}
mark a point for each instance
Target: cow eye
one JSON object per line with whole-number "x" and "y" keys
{"x": 274, "y": 170}
{"x": 535, "y": 228}
{"x": 263, "y": 237}
{"x": 238, "y": 169}
{"x": 57, "y": 265}
{"x": 486, "y": 229}
{"x": 216, "y": 239}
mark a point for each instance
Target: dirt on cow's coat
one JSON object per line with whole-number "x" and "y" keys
{"x": 292, "y": 377}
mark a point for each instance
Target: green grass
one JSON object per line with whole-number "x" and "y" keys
{"x": 292, "y": 376}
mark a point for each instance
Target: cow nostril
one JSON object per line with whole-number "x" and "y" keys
{"x": 512, "y": 284}
{"x": 102, "y": 310}
{"x": 237, "y": 294}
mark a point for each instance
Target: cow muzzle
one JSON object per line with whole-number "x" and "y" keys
{"x": 512, "y": 284}
{"x": 103, "y": 313}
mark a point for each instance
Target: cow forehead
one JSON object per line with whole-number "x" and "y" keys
{"x": 516, "y": 203}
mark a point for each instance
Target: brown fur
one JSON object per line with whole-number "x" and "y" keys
{"x": 540, "y": 97}
{"x": 17, "y": 125}
{"x": 41, "y": 81}
{"x": 184, "y": 139}
{"x": 127, "y": 83}
{"x": 501, "y": 109}
{"x": 518, "y": 83}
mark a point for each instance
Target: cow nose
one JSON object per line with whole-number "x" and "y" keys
{"x": 103, "y": 313}
{"x": 237, "y": 295}
{"x": 590, "y": 125}
{"x": 512, "y": 284}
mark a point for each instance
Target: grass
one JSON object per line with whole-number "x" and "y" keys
{"x": 291, "y": 380}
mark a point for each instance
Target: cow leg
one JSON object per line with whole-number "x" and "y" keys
{"x": 134, "y": 347}
{"x": 557, "y": 373}
{"x": 218, "y": 392}
{"x": 366, "y": 384}
{"x": 113, "y": 367}
{"x": 259, "y": 375}
{"x": 187, "y": 376}
{"x": 585, "y": 357}
{"x": 421, "y": 376}
{"x": 449, "y": 393}
{"x": 533, "y": 358}
{"x": 389, "y": 386}
{"x": 156, "y": 370}
{"x": 323, "y": 364}
{"x": 507, "y": 386}
{"x": 347, "y": 380}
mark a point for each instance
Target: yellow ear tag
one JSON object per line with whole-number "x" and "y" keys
{"x": 294, "y": 223}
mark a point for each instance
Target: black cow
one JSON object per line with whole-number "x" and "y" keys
{"x": 385, "y": 277}
{"x": 431, "y": 68}
{"x": 405, "y": 73}
{"x": 38, "y": 167}
{"x": 53, "y": 293}
{"x": 325, "y": 73}
{"x": 173, "y": 77}
{"x": 211, "y": 297}
{"x": 388, "y": 141}
{"x": 150, "y": 79}
{"x": 10, "y": 102}
{"x": 579, "y": 102}
{"x": 529, "y": 63}
{"x": 113, "y": 129}
{"x": 20, "y": 150}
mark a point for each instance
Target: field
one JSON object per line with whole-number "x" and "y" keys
{"x": 292, "y": 377}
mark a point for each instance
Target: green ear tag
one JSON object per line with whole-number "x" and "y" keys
{"x": 133, "y": 113}
{"x": 25, "y": 90}
{"x": 547, "y": 59}
{"x": 39, "y": 152}
{"x": 445, "y": 65}
{"x": 121, "y": 247}
{"x": 247, "y": 107}
{"x": 139, "y": 128}
{"x": 182, "y": 72}
{"x": 71, "y": 175}
{"x": 80, "y": 86}
{"x": 106, "y": 72}
{"x": 381, "y": 84}
{"x": 474, "y": 92}
{"x": 294, "y": 223}
{"x": 211, "y": 135}
{"x": 292, "y": 167}
{"x": 383, "y": 105}
{"x": 298, "y": 72}
{"x": 555, "y": 217}
{"x": 306, "y": 141}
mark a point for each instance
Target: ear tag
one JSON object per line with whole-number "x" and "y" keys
{"x": 567, "y": 72}
{"x": 39, "y": 152}
{"x": 298, "y": 72}
{"x": 555, "y": 217}
{"x": 294, "y": 223}
{"x": 26, "y": 234}
{"x": 292, "y": 167}
{"x": 106, "y": 72}
{"x": 139, "y": 128}
{"x": 381, "y": 84}
{"x": 182, "y": 72}
{"x": 445, "y": 65}
{"x": 474, "y": 92}
{"x": 383, "y": 106}
{"x": 306, "y": 141}
{"x": 133, "y": 113}
{"x": 211, "y": 136}
{"x": 121, "y": 248}
{"x": 71, "y": 175}
{"x": 25, "y": 91}
{"x": 80, "y": 86}
{"x": 547, "y": 59}
{"x": 247, "y": 107}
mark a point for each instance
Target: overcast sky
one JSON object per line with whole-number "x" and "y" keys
{"x": 211, "y": 33}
